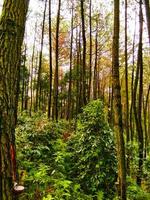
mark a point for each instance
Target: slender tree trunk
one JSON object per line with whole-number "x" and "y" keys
{"x": 38, "y": 87}
{"x": 55, "y": 113}
{"x": 90, "y": 60}
{"x": 137, "y": 107}
{"x": 77, "y": 71}
{"x": 95, "y": 89}
{"x": 126, "y": 87}
{"x": 84, "y": 53}
{"x": 117, "y": 104}
{"x": 145, "y": 110}
{"x": 31, "y": 74}
{"x": 147, "y": 8}
{"x": 148, "y": 121}
{"x": 27, "y": 91}
{"x": 70, "y": 71}
{"x": 12, "y": 25}
{"x": 23, "y": 82}
{"x": 50, "y": 64}
{"x": 132, "y": 86}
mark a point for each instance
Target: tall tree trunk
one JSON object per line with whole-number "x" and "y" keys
{"x": 27, "y": 91}
{"x": 70, "y": 71}
{"x": 117, "y": 104}
{"x": 50, "y": 63}
{"x": 77, "y": 71}
{"x": 55, "y": 109}
{"x": 23, "y": 80}
{"x": 12, "y": 25}
{"x": 31, "y": 73}
{"x": 132, "y": 86}
{"x": 137, "y": 107}
{"x": 95, "y": 89}
{"x": 126, "y": 87}
{"x": 90, "y": 59}
{"x": 38, "y": 87}
{"x": 84, "y": 53}
{"x": 145, "y": 111}
{"x": 147, "y": 8}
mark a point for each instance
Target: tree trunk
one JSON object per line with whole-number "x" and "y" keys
{"x": 95, "y": 81}
{"x": 90, "y": 59}
{"x": 38, "y": 87}
{"x": 126, "y": 88}
{"x": 147, "y": 8}
{"x": 55, "y": 108}
{"x": 84, "y": 53}
{"x": 50, "y": 63}
{"x": 12, "y": 25}
{"x": 31, "y": 73}
{"x": 137, "y": 107}
{"x": 145, "y": 111}
{"x": 117, "y": 105}
{"x": 70, "y": 71}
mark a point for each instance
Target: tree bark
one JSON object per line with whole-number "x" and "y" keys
{"x": 70, "y": 70}
{"x": 12, "y": 25}
{"x": 38, "y": 87}
{"x": 31, "y": 73}
{"x": 50, "y": 63}
{"x": 55, "y": 108}
{"x": 95, "y": 81}
{"x": 126, "y": 87}
{"x": 147, "y": 8}
{"x": 137, "y": 103}
{"x": 84, "y": 53}
{"x": 117, "y": 105}
{"x": 90, "y": 60}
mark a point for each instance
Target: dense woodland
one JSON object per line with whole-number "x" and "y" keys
{"x": 75, "y": 100}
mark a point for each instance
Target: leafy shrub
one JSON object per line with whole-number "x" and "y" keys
{"x": 38, "y": 145}
{"x": 93, "y": 152}
{"x": 59, "y": 165}
{"x": 146, "y": 170}
{"x": 132, "y": 149}
{"x": 134, "y": 192}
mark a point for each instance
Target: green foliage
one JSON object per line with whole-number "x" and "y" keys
{"x": 38, "y": 156}
{"x": 132, "y": 148}
{"x": 135, "y": 192}
{"x": 146, "y": 171}
{"x": 56, "y": 163}
{"x": 93, "y": 152}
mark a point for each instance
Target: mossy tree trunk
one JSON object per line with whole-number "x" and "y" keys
{"x": 12, "y": 25}
{"x": 118, "y": 128}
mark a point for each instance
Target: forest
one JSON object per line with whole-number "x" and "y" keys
{"x": 74, "y": 100}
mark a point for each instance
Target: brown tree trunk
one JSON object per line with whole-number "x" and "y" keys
{"x": 137, "y": 103}
{"x": 118, "y": 126}
{"x": 84, "y": 53}
{"x": 38, "y": 87}
{"x": 31, "y": 73}
{"x": 147, "y": 8}
{"x": 95, "y": 81}
{"x": 145, "y": 111}
{"x": 50, "y": 64}
{"x": 69, "y": 108}
{"x": 126, "y": 87}
{"x": 55, "y": 108}
{"x": 90, "y": 59}
{"x": 12, "y": 25}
